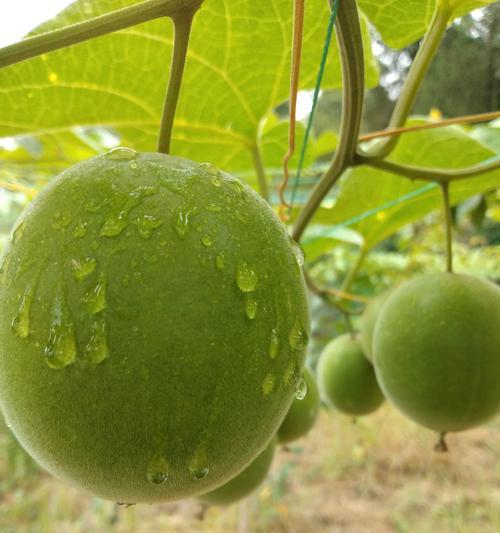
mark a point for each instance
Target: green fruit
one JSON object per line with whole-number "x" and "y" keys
{"x": 346, "y": 378}
{"x": 368, "y": 321}
{"x": 153, "y": 324}
{"x": 302, "y": 413}
{"x": 437, "y": 350}
{"x": 245, "y": 482}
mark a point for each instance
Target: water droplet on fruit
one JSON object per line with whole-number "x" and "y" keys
{"x": 133, "y": 165}
{"x": 96, "y": 349}
{"x": 302, "y": 389}
{"x": 210, "y": 169}
{"x": 213, "y": 208}
{"x": 4, "y": 267}
{"x": 246, "y": 277}
{"x": 61, "y": 221}
{"x": 220, "y": 260}
{"x": 121, "y": 153}
{"x": 182, "y": 219}
{"x": 268, "y": 384}
{"x": 297, "y": 337}
{"x": 21, "y": 322}
{"x": 206, "y": 240}
{"x": 18, "y": 231}
{"x": 198, "y": 467}
{"x": 60, "y": 350}
{"x": 95, "y": 298}
{"x": 80, "y": 230}
{"x": 216, "y": 181}
{"x": 251, "y": 308}
{"x": 298, "y": 252}
{"x": 113, "y": 225}
{"x": 275, "y": 344}
{"x": 158, "y": 468}
{"x": 83, "y": 268}
{"x": 146, "y": 224}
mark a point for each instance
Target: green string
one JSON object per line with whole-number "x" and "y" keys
{"x": 324, "y": 56}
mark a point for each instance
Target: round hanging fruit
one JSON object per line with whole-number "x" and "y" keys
{"x": 437, "y": 350}
{"x": 153, "y": 326}
{"x": 346, "y": 378}
{"x": 245, "y": 482}
{"x": 368, "y": 321}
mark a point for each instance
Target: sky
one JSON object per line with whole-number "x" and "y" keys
{"x": 21, "y": 16}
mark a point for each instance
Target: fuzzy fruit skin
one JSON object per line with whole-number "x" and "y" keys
{"x": 190, "y": 391}
{"x": 368, "y": 321}
{"x": 346, "y": 378}
{"x": 437, "y": 350}
{"x": 245, "y": 482}
{"x": 302, "y": 413}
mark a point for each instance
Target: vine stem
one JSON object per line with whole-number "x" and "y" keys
{"x": 183, "y": 22}
{"x": 432, "y": 174}
{"x": 260, "y": 171}
{"x": 353, "y": 83}
{"x": 94, "y": 27}
{"x": 465, "y": 119}
{"x": 445, "y": 190}
{"x": 418, "y": 70}
{"x": 298, "y": 35}
{"x": 333, "y": 295}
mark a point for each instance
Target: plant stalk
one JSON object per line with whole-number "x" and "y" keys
{"x": 445, "y": 189}
{"x": 418, "y": 70}
{"x": 95, "y": 27}
{"x": 353, "y": 83}
{"x": 182, "y": 27}
{"x": 260, "y": 172}
{"x": 433, "y": 174}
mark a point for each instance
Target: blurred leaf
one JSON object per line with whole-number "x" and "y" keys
{"x": 402, "y": 22}
{"x": 365, "y": 189}
{"x": 488, "y": 134}
{"x": 321, "y": 239}
{"x": 237, "y": 72}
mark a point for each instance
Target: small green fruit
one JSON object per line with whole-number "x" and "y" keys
{"x": 368, "y": 321}
{"x": 346, "y": 378}
{"x": 153, "y": 326}
{"x": 245, "y": 482}
{"x": 302, "y": 413}
{"x": 437, "y": 350}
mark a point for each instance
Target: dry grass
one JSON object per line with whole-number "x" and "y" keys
{"x": 377, "y": 475}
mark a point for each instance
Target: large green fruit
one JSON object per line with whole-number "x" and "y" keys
{"x": 245, "y": 482}
{"x": 346, "y": 378}
{"x": 367, "y": 323}
{"x": 302, "y": 413}
{"x": 153, "y": 323}
{"x": 437, "y": 350}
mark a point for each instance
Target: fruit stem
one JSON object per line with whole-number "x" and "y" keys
{"x": 350, "y": 43}
{"x": 94, "y": 27}
{"x": 418, "y": 70}
{"x": 441, "y": 445}
{"x": 433, "y": 174}
{"x": 260, "y": 171}
{"x": 182, "y": 28}
{"x": 445, "y": 190}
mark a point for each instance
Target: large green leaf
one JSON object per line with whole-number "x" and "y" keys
{"x": 365, "y": 191}
{"x": 402, "y": 22}
{"x": 237, "y": 71}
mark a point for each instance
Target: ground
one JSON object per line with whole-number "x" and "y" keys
{"x": 377, "y": 474}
